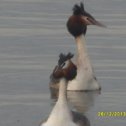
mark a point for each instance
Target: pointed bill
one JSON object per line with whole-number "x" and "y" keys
{"x": 91, "y": 21}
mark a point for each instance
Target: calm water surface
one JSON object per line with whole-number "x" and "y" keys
{"x": 33, "y": 33}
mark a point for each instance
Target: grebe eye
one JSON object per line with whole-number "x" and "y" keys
{"x": 87, "y": 18}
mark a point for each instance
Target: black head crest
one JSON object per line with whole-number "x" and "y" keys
{"x": 78, "y": 9}
{"x": 63, "y": 58}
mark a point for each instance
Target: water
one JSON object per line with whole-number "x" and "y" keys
{"x": 33, "y": 33}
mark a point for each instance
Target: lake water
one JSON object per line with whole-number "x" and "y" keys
{"x": 33, "y": 33}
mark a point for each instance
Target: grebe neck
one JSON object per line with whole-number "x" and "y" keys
{"x": 62, "y": 91}
{"x": 81, "y": 46}
{"x": 83, "y": 61}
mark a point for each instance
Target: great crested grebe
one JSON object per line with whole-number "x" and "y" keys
{"x": 77, "y": 27}
{"x": 61, "y": 114}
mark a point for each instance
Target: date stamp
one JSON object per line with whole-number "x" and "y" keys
{"x": 111, "y": 114}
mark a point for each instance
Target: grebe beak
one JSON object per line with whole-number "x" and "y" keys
{"x": 89, "y": 20}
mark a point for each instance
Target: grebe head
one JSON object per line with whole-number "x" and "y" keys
{"x": 77, "y": 23}
{"x": 62, "y": 70}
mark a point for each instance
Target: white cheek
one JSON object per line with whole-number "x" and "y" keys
{"x": 66, "y": 64}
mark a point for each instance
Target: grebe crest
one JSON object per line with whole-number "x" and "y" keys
{"x": 62, "y": 70}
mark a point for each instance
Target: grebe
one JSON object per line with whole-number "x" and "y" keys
{"x": 61, "y": 114}
{"x": 77, "y": 27}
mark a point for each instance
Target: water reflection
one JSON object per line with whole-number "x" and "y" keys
{"x": 81, "y": 102}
